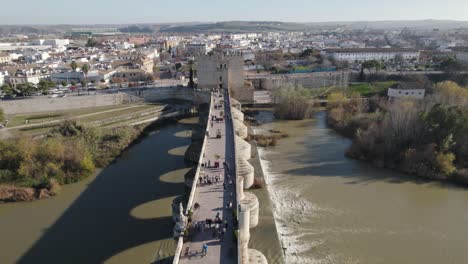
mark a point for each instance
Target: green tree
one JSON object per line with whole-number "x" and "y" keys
{"x": 64, "y": 83}
{"x": 25, "y": 88}
{"x": 73, "y": 65}
{"x": 45, "y": 85}
{"x": 7, "y": 89}
{"x": 85, "y": 70}
{"x": 443, "y": 122}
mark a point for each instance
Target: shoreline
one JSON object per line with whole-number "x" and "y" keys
{"x": 17, "y": 194}
{"x": 349, "y": 132}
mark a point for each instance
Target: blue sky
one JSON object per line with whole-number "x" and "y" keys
{"x": 154, "y": 11}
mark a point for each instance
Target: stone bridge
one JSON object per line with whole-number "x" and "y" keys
{"x": 218, "y": 194}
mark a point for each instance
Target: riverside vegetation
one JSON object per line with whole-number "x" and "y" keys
{"x": 293, "y": 103}
{"x": 427, "y": 138}
{"x": 35, "y": 168}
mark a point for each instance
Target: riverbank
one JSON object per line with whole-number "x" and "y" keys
{"x": 460, "y": 177}
{"x": 426, "y": 138}
{"x": 118, "y": 215}
{"x": 23, "y": 181}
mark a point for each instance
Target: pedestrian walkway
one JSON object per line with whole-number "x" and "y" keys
{"x": 214, "y": 193}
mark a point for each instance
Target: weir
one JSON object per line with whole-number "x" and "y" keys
{"x": 219, "y": 214}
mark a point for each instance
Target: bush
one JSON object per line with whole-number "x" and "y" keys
{"x": 69, "y": 153}
{"x": 444, "y": 163}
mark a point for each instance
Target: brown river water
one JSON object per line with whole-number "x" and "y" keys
{"x": 331, "y": 209}
{"x": 328, "y": 208}
{"x": 121, "y": 215}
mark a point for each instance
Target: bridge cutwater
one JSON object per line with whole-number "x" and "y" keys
{"x": 214, "y": 226}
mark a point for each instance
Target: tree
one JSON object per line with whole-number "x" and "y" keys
{"x": 191, "y": 83}
{"x": 7, "y": 90}
{"x": 73, "y": 65}
{"x": 64, "y": 83}
{"x": 373, "y": 66}
{"x": 85, "y": 70}
{"x": 25, "y": 88}
{"x": 45, "y": 85}
{"x": 452, "y": 65}
{"x": 442, "y": 122}
{"x": 91, "y": 43}
{"x": 293, "y": 103}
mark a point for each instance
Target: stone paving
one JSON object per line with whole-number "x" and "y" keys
{"x": 214, "y": 198}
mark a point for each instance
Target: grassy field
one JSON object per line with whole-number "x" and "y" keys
{"x": 370, "y": 88}
{"x": 38, "y": 118}
{"x": 43, "y": 122}
{"x": 118, "y": 113}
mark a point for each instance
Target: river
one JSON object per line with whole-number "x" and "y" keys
{"x": 331, "y": 209}
{"x": 121, "y": 215}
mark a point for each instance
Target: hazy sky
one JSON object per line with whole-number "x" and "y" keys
{"x": 154, "y": 11}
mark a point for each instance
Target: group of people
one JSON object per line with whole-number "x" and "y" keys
{"x": 209, "y": 179}
{"x": 215, "y": 118}
{"x": 216, "y": 225}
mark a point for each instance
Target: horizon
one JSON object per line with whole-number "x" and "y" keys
{"x": 88, "y": 12}
{"x": 227, "y": 21}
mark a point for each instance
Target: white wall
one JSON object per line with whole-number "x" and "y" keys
{"x": 406, "y": 93}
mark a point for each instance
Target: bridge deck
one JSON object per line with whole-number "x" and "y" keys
{"x": 212, "y": 197}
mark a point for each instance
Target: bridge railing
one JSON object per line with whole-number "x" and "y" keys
{"x": 180, "y": 242}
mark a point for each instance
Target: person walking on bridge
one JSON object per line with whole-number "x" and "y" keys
{"x": 205, "y": 249}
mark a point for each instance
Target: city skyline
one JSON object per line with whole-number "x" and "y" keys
{"x": 140, "y": 11}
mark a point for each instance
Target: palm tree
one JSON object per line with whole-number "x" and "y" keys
{"x": 73, "y": 65}
{"x": 85, "y": 70}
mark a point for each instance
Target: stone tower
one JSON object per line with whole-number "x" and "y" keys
{"x": 224, "y": 69}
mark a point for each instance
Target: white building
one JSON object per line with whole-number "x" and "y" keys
{"x": 406, "y": 93}
{"x": 23, "y": 79}
{"x": 3, "y": 76}
{"x": 57, "y": 42}
{"x": 124, "y": 46}
{"x": 367, "y": 54}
